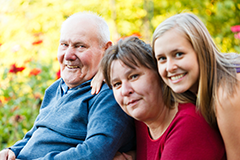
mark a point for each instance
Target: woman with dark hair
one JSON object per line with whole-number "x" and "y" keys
{"x": 164, "y": 131}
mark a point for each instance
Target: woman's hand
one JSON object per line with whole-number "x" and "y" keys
{"x": 125, "y": 156}
{"x": 96, "y": 83}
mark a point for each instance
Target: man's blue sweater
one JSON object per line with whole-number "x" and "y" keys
{"x": 77, "y": 125}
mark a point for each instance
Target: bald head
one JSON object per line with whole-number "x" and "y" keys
{"x": 96, "y": 22}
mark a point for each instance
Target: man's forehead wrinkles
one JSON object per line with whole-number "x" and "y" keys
{"x": 73, "y": 41}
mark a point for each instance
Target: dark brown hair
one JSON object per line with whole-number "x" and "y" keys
{"x": 133, "y": 52}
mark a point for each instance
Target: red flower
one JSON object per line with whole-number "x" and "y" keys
{"x": 6, "y": 99}
{"x": 0, "y": 44}
{"x": 237, "y": 36}
{"x": 235, "y": 28}
{"x": 14, "y": 69}
{"x": 18, "y": 118}
{"x": 58, "y": 74}
{"x": 37, "y": 42}
{"x": 35, "y": 71}
{"x": 37, "y": 95}
{"x": 137, "y": 34}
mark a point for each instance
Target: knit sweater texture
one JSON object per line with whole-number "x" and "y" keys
{"x": 77, "y": 125}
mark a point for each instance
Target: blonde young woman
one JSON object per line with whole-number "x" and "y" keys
{"x": 194, "y": 71}
{"x": 164, "y": 131}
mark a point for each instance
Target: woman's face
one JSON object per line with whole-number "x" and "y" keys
{"x": 177, "y": 61}
{"x": 137, "y": 91}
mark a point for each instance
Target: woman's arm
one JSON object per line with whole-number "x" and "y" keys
{"x": 96, "y": 83}
{"x": 228, "y": 118}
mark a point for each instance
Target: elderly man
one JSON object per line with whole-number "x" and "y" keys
{"x": 73, "y": 123}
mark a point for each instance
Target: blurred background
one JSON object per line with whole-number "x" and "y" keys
{"x": 29, "y": 38}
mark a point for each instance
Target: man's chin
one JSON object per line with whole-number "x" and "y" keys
{"x": 71, "y": 82}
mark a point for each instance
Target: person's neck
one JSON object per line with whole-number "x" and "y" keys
{"x": 157, "y": 128}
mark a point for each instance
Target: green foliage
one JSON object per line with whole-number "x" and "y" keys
{"x": 21, "y": 95}
{"x": 217, "y": 15}
{"x": 30, "y": 31}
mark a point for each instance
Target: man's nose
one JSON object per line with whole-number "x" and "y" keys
{"x": 70, "y": 54}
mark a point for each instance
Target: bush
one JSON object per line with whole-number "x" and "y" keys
{"x": 21, "y": 93}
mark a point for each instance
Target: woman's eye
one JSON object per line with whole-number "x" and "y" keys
{"x": 134, "y": 76}
{"x": 161, "y": 58}
{"x": 179, "y": 54}
{"x": 116, "y": 85}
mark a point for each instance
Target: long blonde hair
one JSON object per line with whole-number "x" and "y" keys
{"x": 215, "y": 68}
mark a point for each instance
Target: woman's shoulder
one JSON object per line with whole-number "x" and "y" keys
{"x": 190, "y": 123}
{"x": 188, "y": 109}
{"x": 189, "y": 116}
{"x": 193, "y": 133}
{"x": 225, "y": 99}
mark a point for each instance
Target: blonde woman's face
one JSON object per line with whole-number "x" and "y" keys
{"x": 177, "y": 61}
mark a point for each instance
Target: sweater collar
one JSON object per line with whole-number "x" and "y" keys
{"x": 65, "y": 88}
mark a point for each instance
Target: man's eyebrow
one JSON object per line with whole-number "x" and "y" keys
{"x": 61, "y": 40}
{"x": 77, "y": 43}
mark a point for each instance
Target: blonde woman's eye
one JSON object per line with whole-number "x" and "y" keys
{"x": 179, "y": 54}
{"x": 161, "y": 59}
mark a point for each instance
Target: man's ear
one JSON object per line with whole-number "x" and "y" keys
{"x": 107, "y": 45}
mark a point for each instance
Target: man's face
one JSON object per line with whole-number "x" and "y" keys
{"x": 79, "y": 52}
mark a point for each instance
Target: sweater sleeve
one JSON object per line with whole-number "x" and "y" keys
{"x": 18, "y": 146}
{"x": 192, "y": 138}
{"x": 109, "y": 129}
